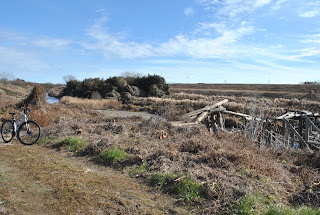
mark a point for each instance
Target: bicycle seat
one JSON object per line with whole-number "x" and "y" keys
{"x": 12, "y": 114}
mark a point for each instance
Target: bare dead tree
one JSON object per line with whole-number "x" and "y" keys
{"x": 131, "y": 74}
{"x": 5, "y": 77}
{"x": 68, "y": 78}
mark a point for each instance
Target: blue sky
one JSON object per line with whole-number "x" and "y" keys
{"x": 185, "y": 41}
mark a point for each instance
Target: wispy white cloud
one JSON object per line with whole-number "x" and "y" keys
{"x": 307, "y": 52}
{"x": 189, "y": 11}
{"x": 234, "y": 8}
{"x": 313, "y": 38}
{"x": 310, "y": 13}
{"x": 112, "y": 46}
{"x": 261, "y": 3}
{"x": 52, "y": 43}
{"x": 310, "y": 10}
{"x": 180, "y": 45}
{"x": 278, "y": 4}
{"x": 21, "y": 63}
{"x": 222, "y": 46}
{"x": 13, "y": 36}
{"x": 25, "y": 39}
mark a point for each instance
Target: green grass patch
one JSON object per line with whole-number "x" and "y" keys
{"x": 183, "y": 187}
{"x": 292, "y": 211}
{"x": 112, "y": 156}
{"x": 46, "y": 140}
{"x": 257, "y": 204}
{"x": 252, "y": 204}
{"x": 138, "y": 171}
{"x": 73, "y": 143}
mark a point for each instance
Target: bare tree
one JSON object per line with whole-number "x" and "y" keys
{"x": 131, "y": 74}
{"x": 68, "y": 78}
{"x": 5, "y": 77}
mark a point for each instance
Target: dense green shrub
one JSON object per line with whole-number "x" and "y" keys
{"x": 148, "y": 83}
{"x": 73, "y": 88}
{"x": 151, "y": 85}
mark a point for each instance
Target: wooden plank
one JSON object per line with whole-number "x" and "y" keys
{"x": 247, "y": 117}
{"x": 217, "y": 109}
{"x": 183, "y": 124}
{"x": 202, "y": 116}
{"x": 298, "y": 135}
{"x": 314, "y": 142}
{"x": 207, "y": 108}
{"x": 311, "y": 123}
{"x": 288, "y": 115}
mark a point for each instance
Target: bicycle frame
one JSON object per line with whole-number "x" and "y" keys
{"x": 19, "y": 121}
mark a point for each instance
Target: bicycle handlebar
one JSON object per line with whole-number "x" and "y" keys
{"x": 26, "y": 110}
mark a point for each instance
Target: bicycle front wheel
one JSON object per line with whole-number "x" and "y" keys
{"x": 7, "y": 130}
{"x": 29, "y": 133}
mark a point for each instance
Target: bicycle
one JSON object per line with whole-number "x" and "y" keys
{"x": 27, "y": 131}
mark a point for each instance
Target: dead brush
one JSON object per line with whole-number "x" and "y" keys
{"x": 190, "y": 96}
{"x": 42, "y": 116}
{"x": 169, "y": 111}
{"x": 92, "y": 103}
{"x": 184, "y": 105}
{"x": 37, "y": 98}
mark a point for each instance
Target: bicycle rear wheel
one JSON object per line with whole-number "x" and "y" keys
{"x": 7, "y": 130}
{"x": 29, "y": 133}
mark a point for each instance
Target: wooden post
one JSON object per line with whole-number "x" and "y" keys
{"x": 221, "y": 121}
{"x": 245, "y": 127}
{"x": 284, "y": 127}
{"x": 307, "y": 131}
{"x": 298, "y": 135}
{"x": 312, "y": 124}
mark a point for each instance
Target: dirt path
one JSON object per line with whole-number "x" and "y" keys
{"x": 117, "y": 113}
{"x": 38, "y": 180}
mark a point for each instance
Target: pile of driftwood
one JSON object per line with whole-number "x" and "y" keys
{"x": 299, "y": 129}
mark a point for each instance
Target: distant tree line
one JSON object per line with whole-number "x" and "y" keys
{"x": 118, "y": 87}
{"x": 310, "y": 82}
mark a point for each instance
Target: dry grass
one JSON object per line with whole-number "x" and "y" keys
{"x": 186, "y": 103}
{"x": 42, "y": 116}
{"x": 43, "y": 181}
{"x": 91, "y": 103}
{"x": 15, "y": 89}
{"x": 261, "y": 90}
{"x": 229, "y": 166}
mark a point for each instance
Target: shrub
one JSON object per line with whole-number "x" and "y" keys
{"x": 112, "y": 156}
{"x": 43, "y": 117}
{"x": 53, "y": 93}
{"x": 73, "y": 88}
{"x": 186, "y": 188}
{"x": 138, "y": 171}
{"x": 151, "y": 85}
{"x": 36, "y": 98}
{"x": 73, "y": 143}
{"x": 258, "y": 204}
{"x": 146, "y": 84}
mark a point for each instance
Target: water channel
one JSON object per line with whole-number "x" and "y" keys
{"x": 51, "y": 100}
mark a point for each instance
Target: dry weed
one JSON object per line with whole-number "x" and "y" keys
{"x": 91, "y": 103}
{"x": 42, "y": 116}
